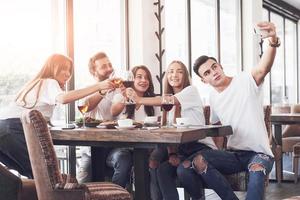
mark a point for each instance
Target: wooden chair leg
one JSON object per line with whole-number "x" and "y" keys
{"x": 295, "y": 168}
{"x": 296, "y": 156}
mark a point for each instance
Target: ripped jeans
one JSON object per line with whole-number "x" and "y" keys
{"x": 219, "y": 162}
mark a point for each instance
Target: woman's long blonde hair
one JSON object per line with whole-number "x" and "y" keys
{"x": 168, "y": 89}
{"x": 52, "y": 67}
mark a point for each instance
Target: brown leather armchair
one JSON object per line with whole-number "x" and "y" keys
{"x": 13, "y": 187}
{"x": 291, "y": 141}
{"x": 50, "y": 184}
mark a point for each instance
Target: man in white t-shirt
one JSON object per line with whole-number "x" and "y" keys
{"x": 100, "y": 68}
{"x": 235, "y": 101}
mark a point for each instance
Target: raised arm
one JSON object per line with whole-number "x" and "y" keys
{"x": 265, "y": 64}
{"x": 74, "y": 95}
{"x": 148, "y": 101}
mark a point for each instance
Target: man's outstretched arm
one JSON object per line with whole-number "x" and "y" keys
{"x": 265, "y": 64}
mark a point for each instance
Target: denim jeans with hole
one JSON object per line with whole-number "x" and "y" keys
{"x": 120, "y": 159}
{"x": 229, "y": 162}
{"x": 166, "y": 173}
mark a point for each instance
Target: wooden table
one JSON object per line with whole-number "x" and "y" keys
{"x": 278, "y": 120}
{"x": 140, "y": 140}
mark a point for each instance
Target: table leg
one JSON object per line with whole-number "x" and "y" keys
{"x": 98, "y": 155}
{"x": 141, "y": 174}
{"x": 278, "y": 163}
{"x": 72, "y": 160}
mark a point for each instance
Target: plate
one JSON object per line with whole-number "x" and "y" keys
{"x": 88, "y": 124}
{"x": 181, "y": 126}
{"x": 125, "y": 127}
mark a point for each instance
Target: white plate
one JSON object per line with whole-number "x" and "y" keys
{"x": 125, "y": 127}
{"x": 181, "y": 126}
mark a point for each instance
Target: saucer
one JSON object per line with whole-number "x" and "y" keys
{"x": 181, "y": 125}
{"x": 125, "y": 127}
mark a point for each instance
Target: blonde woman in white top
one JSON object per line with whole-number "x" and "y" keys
{"x": 42, "y": 93}
{"x": 187, "y": 104}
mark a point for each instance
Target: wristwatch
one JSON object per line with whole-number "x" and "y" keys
{"x": 276, "y": 44}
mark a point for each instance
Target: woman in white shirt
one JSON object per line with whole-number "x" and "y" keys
{"x": 42, "y": 93}
{"x": 120, "y": 159}
{"x": 188, "y": 104}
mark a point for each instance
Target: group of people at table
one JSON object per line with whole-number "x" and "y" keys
{"x": 234, "y": 101}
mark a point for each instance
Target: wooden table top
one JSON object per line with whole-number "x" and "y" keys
{"x": 285, "y": 118}
{"x": 161, "y": 135}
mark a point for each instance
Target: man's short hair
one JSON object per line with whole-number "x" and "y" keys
{"x": 200, "y": 61}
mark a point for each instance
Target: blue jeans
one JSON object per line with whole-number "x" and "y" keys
{"x": 13, "y": 148}
{"x": 120, "y": 159}
{"x": 166, "y": 173}
{"x": 229, "y": 162}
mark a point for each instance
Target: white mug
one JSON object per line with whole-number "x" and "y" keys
{"x": 125, "y": 122}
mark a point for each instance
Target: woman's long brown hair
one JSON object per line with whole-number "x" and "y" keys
{"x": 52, "y": 67}
{"x": 149, "y": 110}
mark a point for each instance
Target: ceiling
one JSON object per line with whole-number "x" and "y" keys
{"x": 294, "y": 3}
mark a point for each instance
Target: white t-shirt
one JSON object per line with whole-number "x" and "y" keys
{"x": 102, "y": 110}
{"x": 46, "y": 102}
{"x": 192, "y": 108}
{"x": 239, "y": 106}
{"x": 139, "y": 114}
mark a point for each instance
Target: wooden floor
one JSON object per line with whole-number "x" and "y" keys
{"x": 274, "y": 191}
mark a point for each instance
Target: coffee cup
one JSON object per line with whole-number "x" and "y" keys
{"x": 125, "y": 122}
{"x": 151, "y": 120}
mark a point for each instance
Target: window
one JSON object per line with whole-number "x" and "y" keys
{"x": 290, "y": 61}
{"x": 30, "y": 32}
{"x": 277, "y": 78}
{"x": 203, "y": 33}
{"x": 176, "y": 31}
{"x": 230, "y": 36}
{"x": 94, "y": 32}
{"x": 204, "y": 36}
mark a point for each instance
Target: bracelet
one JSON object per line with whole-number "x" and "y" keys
{"x": 276, "y": 44}
{"x": 102, "y": 94}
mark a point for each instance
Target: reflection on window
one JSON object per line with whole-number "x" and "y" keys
{"x": 30, "y": 31}
{"x": 98, "y": 26}
{"x": 175, "y": 31}
{"x": 277, "y": 79}
{"x": 230, "y": 36}
{"x": 203, "y": 33}
{"x": 290, "y": 61}
{"x": 266, "y": 83}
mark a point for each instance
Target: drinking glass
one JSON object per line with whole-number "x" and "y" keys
{"x": 128, "y": 78}
{"x": 82, "y": 105}
{"x": 167, "y": 103}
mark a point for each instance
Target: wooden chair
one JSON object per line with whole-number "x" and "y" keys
{"x": 290, "y": 138}
{"x": 50, "y": 183}
{"x": 13, "y": 187}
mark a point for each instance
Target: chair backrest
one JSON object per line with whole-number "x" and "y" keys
{"x": 41, "y": 153}
{"x": 206, "y": 112}
{"x": 294, "y": 129}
